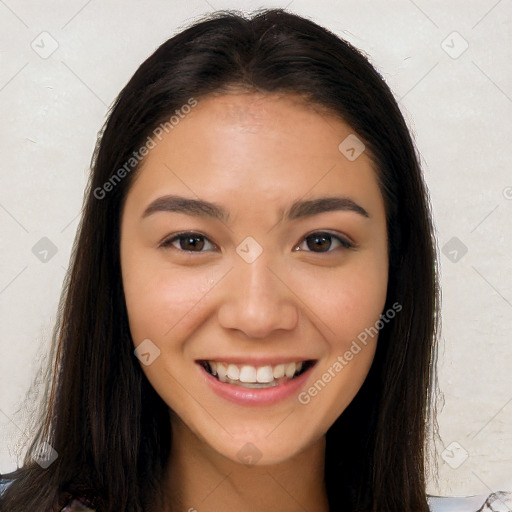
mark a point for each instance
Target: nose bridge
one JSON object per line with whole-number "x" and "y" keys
{"x": 259, "y": 283}
{"x": 256, "y": 300}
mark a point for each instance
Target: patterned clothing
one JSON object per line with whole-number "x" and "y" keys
{"x": 496, "y": 502}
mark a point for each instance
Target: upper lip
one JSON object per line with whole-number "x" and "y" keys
{"x": 257, "y": 361}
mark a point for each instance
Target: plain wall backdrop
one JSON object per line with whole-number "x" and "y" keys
{"x": 448, "y": 63}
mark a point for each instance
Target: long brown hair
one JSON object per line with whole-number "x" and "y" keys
{"x": 110, "y": 428}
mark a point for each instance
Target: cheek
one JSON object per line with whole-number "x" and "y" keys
{"x": 162, "y": 306}
{"x": 160, "y": 300}
{"x": 350, "y": 303}
{"x": 345, "y": 301}
{"x": 350, "y": 311}
{"x": 360, "y": 302}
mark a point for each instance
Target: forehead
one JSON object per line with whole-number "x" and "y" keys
{"x": 248, "y": 146}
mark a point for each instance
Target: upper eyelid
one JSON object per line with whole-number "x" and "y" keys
{"x": 335, "y": 235}
{"x": 343, "y": 239}
{"x": 176, "y": 236}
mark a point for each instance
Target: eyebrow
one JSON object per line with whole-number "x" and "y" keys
{"x": 202, "y": 208}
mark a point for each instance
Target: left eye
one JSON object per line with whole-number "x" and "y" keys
{"x": 322, "y": 242}
{"x": 190, "y": 242}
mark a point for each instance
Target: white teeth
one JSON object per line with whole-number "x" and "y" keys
{"x": 253, "y": 376}
{"x": 221, "y": 371}
{"x": 290, "y": 370}
{"x": 278, "y": 371}
{"x": 233, "y": 372}
{"x": 264, "y": 374}
{"x": 247, "y": 374}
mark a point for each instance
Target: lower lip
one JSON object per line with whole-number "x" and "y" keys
{"x": 252, "y": 396}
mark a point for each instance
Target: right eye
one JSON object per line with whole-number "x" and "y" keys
{"x": 188, "y": 241}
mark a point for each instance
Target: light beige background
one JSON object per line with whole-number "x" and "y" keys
{"x": 458, "y": 105}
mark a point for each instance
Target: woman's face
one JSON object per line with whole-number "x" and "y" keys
{"x": 255, "y": 248}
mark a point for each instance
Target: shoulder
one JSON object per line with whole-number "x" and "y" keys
{"x": 4, "y": 483}
{"x": 482, "y": 503}
{"x": 73, "y": 505}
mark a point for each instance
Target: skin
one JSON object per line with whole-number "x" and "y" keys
{"x": 254, "y": 155}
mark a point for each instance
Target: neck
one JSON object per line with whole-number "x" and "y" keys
{"x": 198, "y": 479}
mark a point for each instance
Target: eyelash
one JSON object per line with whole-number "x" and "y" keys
{"x": 168, "y": 243}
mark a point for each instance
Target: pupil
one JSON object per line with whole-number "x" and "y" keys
{"x": 322, "y": 242}
{"x": 192, "y": 242}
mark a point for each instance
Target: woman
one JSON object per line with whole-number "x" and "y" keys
{"x": 250, "y": 316}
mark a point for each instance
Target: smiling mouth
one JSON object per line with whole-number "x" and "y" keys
{"x": 248, "y": 376}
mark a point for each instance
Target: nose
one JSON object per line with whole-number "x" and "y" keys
{"x": 257, "y": 300}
